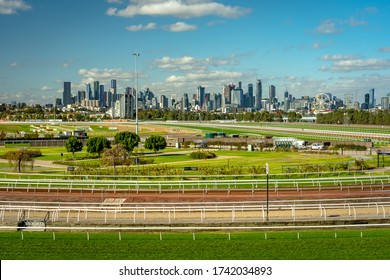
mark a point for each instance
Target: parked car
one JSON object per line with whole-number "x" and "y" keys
{"x": 316, "y": 146}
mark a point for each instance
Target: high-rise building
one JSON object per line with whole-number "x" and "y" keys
{"x": 258, "y": 95}
{"x": 372, "y": 98}
{"x": 102, "y": 102}
{"x": 186, "y": 103}
{"x": 80, "y": 96}
{"x": 385, "y": 103}
{"x": 67, "y": 94}
{"x": 163, "y": 102}
{"x": 227, "y": 94}
{"x": 272, "y": 94}
{"x": 250, "y": 100}
{"x": 237, "y": 97}
{"x": 286, "y": 101}
{"x": 200, "y": 95}
{"x": 96, "y": 90}
{"x": 88, "y": 92}
{"x": 127, "y": 104}
{"x": 113, "y": 91}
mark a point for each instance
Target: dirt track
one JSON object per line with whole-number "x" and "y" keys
{"x": 99, "y": 196}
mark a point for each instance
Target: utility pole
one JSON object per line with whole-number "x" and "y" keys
{"x": 267, "y": 172}
{"x": 136, "y": 92}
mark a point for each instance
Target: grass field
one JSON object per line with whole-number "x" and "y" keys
{"x": 305, "y": 245}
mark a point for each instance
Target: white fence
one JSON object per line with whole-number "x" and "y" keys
{"x": 380, "y": 182}
{"x": 197, "y": 213}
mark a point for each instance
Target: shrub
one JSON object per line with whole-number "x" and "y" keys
{"x": 202, "y": 155}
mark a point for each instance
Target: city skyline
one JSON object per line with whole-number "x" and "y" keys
{"x": 306, "y": 48}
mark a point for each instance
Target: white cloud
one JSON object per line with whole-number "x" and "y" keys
{"x": 218, "y": 76}
{"x": 180, "y": 27}
{"x": 328, "y": 27}
{"x": 338, "y": 57}
{"x": 46, "y": 88}
{"x": 179, "y": 9}
{"x": 188, "y": 63}
{"x": 384, "y": 49}
{"x": 371, "y": 10}
{"x": 13, "y": 64}
{"x": 9, "y": 7}
{"x": 141, "y": 27}
{"x": 104, "y": 76}
{"x": 349, "y": 65}
{"x": 334, "y": 26}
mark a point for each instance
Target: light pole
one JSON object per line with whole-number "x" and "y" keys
{"x": 136, "y": 92}
{"x": 267, "y": 172}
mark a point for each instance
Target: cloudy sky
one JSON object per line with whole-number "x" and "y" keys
{"x": 304, "y": 46}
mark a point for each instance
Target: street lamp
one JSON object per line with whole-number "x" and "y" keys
{"x": 267, "y": 172}
{"x": 136, "y": 92}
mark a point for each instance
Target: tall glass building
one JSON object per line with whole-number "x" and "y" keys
{"x": 67, "y": 94}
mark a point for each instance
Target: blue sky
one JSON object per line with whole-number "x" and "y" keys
{"x": 306, "y": 47}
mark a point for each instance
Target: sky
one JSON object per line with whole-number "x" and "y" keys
{"x": 304, "y": 46}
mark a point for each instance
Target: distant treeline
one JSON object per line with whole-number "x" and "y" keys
{"x": 352, "y": 116}
{"x": 177, "y": 115}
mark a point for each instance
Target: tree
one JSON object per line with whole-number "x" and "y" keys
{"x": 21, "y": 156}
{"x": 155, "y": 143}
{"x": 115, "y": 156}
{"x": 73, "y": 145}
{"x": 96, "y": 145}
{"x": 129, "y": 140}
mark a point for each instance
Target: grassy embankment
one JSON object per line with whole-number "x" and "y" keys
{"x": 303, "y": 245}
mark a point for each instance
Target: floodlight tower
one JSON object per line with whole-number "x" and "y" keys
{"x": 136, "y": 92}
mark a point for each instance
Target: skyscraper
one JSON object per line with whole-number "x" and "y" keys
{"x": 102, "y": 102}
{"x": 96, "y": 90}
{"x": 200, "y": 94}
{"x": 88, "y": 92}
{"x": 258, "y": 95}
{"x": 127, "y": 105}
{"x": 67, "y": 94}
{"x": 250, "y": 100}
{"x": 286, "y": 101}
{"x": 113, "y": 91}
{"x": 385, "y": 103}
{"x": 372, "y": 98}
{"x": 237, "y": 97}
{"x": 227, "y": 94}
{"x": 272, "y": 94}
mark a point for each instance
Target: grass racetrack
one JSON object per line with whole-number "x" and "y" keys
{"x": 367, "y": 244}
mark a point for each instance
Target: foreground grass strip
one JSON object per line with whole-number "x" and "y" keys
{"x": 303, "y": 245}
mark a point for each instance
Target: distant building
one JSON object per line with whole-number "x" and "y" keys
{"x": 96, "y": 90}
{"x": 258, "y": 95}
{"x": 67, "y": 94}
{"x": 200, "y": 95}
{"x": 385, "y": 103}
{"x": 127, "y": 104}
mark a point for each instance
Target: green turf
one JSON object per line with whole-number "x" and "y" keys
{"x": 316, "y": 245}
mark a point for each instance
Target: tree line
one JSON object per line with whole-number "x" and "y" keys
{"x": 118, "y": 154}
{"x": 353, "y": 116}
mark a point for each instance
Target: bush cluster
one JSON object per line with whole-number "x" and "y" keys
{"x": 202, "y": 155}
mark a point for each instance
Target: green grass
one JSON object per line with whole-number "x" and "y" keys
{"x": 316, "y": 245}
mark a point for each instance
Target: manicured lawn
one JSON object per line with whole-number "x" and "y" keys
{"x": 316, "y": 245}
